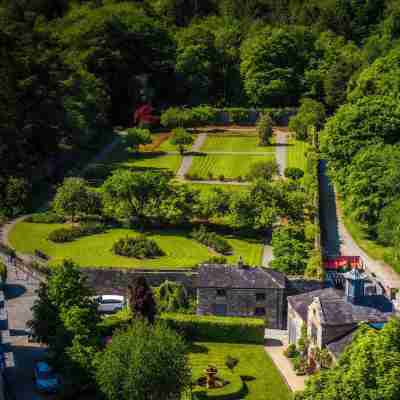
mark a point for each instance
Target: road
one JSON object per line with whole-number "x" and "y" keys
{"x": 20, "y": 295}
{"x": 337, "y": 240}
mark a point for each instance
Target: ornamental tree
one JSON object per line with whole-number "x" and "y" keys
{"x": 181, "y": 138}
{"x": 136, "y": 137}
{"x": 264, "y": 129}
{"x": 141, "y": 301}
{"x": 143, "y": 363}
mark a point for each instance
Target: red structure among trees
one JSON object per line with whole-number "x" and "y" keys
{"x": 144, "y": 116}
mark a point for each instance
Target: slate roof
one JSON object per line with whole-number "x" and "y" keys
{"x": 336, "y": 310}
{"x": 301, "y": 302}
{"x": 337, "y": 346}
{"x": 232, "y": 276}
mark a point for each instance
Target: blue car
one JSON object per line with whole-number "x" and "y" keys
{"x": 46, "y": 380}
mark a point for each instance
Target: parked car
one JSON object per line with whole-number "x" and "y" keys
{"x": 110, "y": 303}
{"x": 46, "y": 380}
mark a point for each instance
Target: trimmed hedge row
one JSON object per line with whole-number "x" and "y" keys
{"x": 63, "y": 235}
{"x": 207, "y": 115}
{"x": 217, "y": 329}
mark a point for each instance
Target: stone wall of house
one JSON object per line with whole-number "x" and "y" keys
{"x": 242, "y": 303}
{"x": 116, "y": 281}
{"x": 294, "y": 325}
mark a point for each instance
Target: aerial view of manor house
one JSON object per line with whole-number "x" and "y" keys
{"x": 199, "y": 200}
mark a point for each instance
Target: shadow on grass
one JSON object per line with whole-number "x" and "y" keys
{"x": 198, "y": 349}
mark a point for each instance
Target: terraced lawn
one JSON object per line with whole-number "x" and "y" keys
{"x": 297, "y": 154}
{"x": 230, "y": 166}
{"x": 235, "y": 143}
{"x": 205, "y": 189}
{"x": 95, "y": 251}
{"x": 262, "y": 380}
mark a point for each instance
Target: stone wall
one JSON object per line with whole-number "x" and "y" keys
{"x": 242, "y": 303}
{"x": 116, "y": 281}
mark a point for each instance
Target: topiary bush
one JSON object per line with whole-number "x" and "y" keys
{"x": 137, "y": 247}
{"x": 294, "y": 173}
{"x": 46, "y": 218}
{"x": 291, "y": 351}
{"x": 212, "y": 240}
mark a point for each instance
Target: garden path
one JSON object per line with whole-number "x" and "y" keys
{"x": 281, "y": 149}
{"x": 187, "y": 160}
{"x": 275, "y": 343}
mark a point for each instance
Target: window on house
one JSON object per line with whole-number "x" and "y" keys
{"x": 259, "y": 311}
{"x": 221, "y": 292}
{"x": 220, "y": 309}
{"x": 260, "y": 296}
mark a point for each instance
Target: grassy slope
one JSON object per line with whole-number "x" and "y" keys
{"x": 95, "y": 251}
{"x": 235, "y": 143}
{"x": 264, "y": 383}
{"x": 231, "y": 166}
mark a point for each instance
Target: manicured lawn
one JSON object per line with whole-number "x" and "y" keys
{"x": 95, "y": 251}
{"x": 205, "y": 189}
{"x": 235, "y": 143}
{"x": 262, "y": 380}
{"x": 230, "y": 166}
{"x": 122, "y": 158}
{"x": 296, "y": 154}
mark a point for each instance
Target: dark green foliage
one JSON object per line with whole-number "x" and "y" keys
{"x": 290, "y": 249}
{"x": 136, "y": 136}
{"x": 211, "y": 239}
{"x": 63, "y": 235}
{"x": 46, "y": 218}
{"x": 172, "y": 297}
{"x": 181, "y": 138}
{"x": 263, "y": 170}
{"x": 388, "y": 228}
{"x": 14, "y": 196}
{"x": 369, "y": 365}
{"x": 141, "y": 300}
{"x": 138, "y": 247}
{"x": 291, "y": 351}
{"x": 217, "y": 329}
{"x": 294, "y": 173}
{"x": 144, "y": 362}
{"x": 264, "y": 129}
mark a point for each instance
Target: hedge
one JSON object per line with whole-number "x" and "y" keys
{"x": 217, "y": 329}
{"x": 3, "y": 272}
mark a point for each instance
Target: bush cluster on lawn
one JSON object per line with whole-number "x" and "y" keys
{"x": 294, "y": 173}
{"x": 46, "y": 218}
{"x": 137, "y": 247}
{"x": 263, "y": 170}
{"x": 211, "y": 239}
{"x": 217, "y": 329}
{"x": 63, "y": 235}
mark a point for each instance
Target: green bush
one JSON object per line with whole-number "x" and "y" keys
{"x": 217, "y": 329}
{"x": 63, "y": 235}
{"x": 46, "y": 218}
{"x": 3, "y": 272}
{"x": 7, "y": 250}
{"x": 294, "y": 173}
{"x": 212, "y": 240}
{"x": 204, "y": 115}
{"x": 175, "y": 117}
{"x": 137, "y": 247}
{"x": 291, "y": 351}
{"x": 238, "y": 116}
{"x": 231, "y": 362}
{"x": 118, "y": 321}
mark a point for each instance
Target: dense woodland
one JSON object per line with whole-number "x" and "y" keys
{"x": 72, "y": 69}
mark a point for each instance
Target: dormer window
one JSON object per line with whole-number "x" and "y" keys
{"x": 221, "y": 293}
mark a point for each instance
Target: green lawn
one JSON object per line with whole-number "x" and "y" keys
{"x": 95, "y": 251}
{"x": 230, "y": 166}
{"x": 235, "y": 143}
{"x": 262, "y": 380}
{"x": 205, "y": 189}
{"x": 296, "y": 154}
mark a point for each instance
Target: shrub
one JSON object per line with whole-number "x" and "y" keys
{"x": 264, "y": 129}
{"x": 7, "y": 250}
{"x": 63, "y": 235}
{"x": 217, "y": 329}
{"x": 263, "y": 170}
{"x": 231, "y": 362}
{"x": 46, "y": 218}
{"x": 238, "y": 115}
{"x": 291, "y": 351}
{"x": 210, "y": 176}
{"x": 3, "y": 272}
{"x": 176, "y": 117}
{"x": 137, "y": 247}
{"x": 171, "y": 297}
{"x": 204, "y": 115}
{"x": 212, "y": 240}
{"x": 221, "y": 178}
{"x": 294, "y": 173}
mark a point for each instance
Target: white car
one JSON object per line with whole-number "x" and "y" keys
{"x": 110, "y": 303}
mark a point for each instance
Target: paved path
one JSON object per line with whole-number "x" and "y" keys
{"x": 20, "y": 295}
{"x": 187, "y": 160}
{"x": 281, "y": 150}
{"x": 338, "y": 241}
{"x": 275, "y": 343}
{"x": 267, "y": 255}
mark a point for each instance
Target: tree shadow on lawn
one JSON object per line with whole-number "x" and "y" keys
{"x": 198, "y": 349}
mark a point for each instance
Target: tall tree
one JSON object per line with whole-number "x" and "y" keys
{"x": 141, "y": 300}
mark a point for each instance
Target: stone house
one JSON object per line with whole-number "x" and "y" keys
{"x": 242, "y": 291}
{"x": 332, "y": 316}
